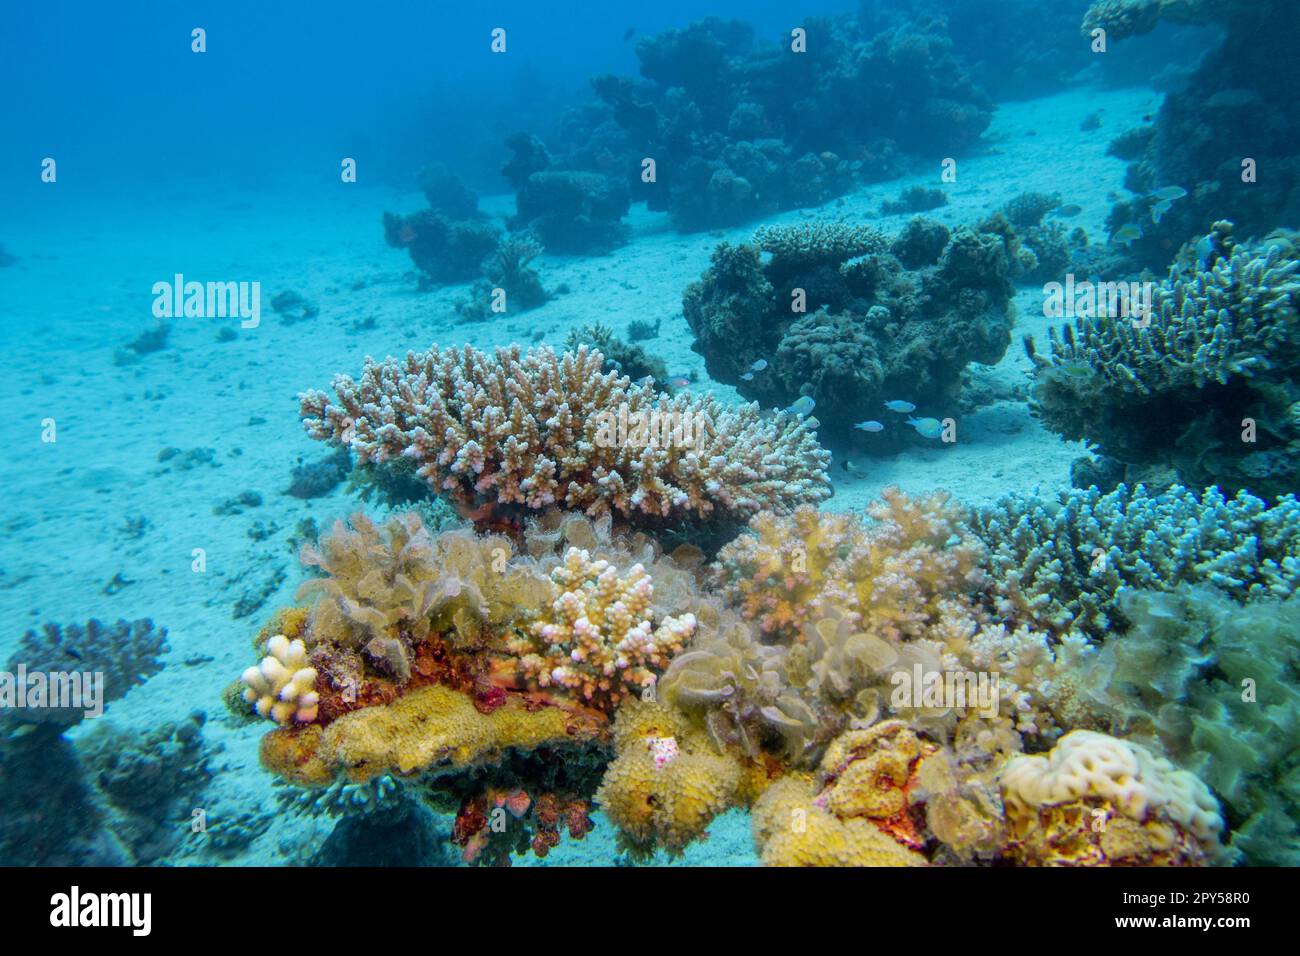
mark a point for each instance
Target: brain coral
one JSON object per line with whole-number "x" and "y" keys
{"x": 1097, "y": 800}
{"x": 529, "y": 431}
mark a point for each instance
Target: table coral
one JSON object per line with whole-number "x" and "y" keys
{"x": 1095, "y": 800}
{"x": 1221, "y": 348}
{"x": 597, "y": 639}
{"x": 522, "y": 431}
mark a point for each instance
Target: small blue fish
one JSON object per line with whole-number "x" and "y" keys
{"x": 1066, "y": 211}
{"x": 1127, "y": 234}
{"x": 747, "y": 377}
{"x": 1159, "y": 209}
{"x": 870, "y": 426}
{"x": 927, "y": 427}
{"x": 1170, "y": 193}
{"x": 904, "y": 408}
{"x": 803, "y": 406}
{"x": 758, "y": 366}
{"x": 1204, "y": 249}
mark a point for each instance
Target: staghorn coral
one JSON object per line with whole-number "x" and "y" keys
{"x": 1059, "y": 564}
{"x": 1095, "y": 800}
{"x": 524, "y": 431}
{"x": 282, "y": 687}
{"x": 597, "y": 639}
{"x": 1175, "y": 394}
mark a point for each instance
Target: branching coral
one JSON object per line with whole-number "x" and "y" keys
{"x": 283, "y": 687}
{"x": 1099, "y": 801}
{"x": 124, "y": 654}
{"x": 598, "y": 639}
{"x": 1204, "y": 384}
{"x": 1058, "y": 564}
{"x": 525, "y": 430}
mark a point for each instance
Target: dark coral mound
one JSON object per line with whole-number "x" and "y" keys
{"x": 1205, "y": 392}
{"x": 1238, "y": 106}
{"x": 444, "y": 250}
{"x": 572, "y": 212}
{"x": 882, "y": 320}
{"x": 738, "y": 129}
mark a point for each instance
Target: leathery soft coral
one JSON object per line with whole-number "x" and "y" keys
{"x": 597, "y": 638}
{"x": 530, "y": 431}
{"x": 1095, "y": 800}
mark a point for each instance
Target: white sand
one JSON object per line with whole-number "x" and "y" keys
{"x": 82, "y": 288}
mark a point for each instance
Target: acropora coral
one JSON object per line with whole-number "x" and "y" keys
{"x": 1201, "y": 386}
{"x": 523, "y": 430}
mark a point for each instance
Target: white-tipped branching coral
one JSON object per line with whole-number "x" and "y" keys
{"x": 283, "y": 687}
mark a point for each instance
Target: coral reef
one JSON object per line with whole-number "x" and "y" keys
{"x": 1202, "y": 389}
{"x": 1238, "y": 94}
{"x": 851, "y": 320}
{"x": 528, "y": 431}
{"x": 1095, "y": 800}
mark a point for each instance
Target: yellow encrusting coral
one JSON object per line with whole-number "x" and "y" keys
{"x": 668, "y": 780}
{"x": 432, "y": 728}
